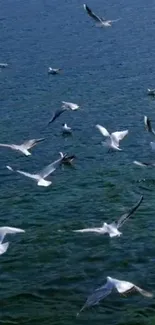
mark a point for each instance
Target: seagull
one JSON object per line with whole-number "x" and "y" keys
{"x": 24, "y": 147}
{"x": 53, "y": 71}
{"x": 143, "y": 164}
{"x": 113, "y": 139}
{"x": 148, "y": 125}
{"x": 101, "y": 22}
{"x": 66, "y": 129}
{"x": 65, "y": 107}
{"x": 3, "y": 65}
{"x": 67, "y": 160}
{"x": 112, "y": 228}
{"x": 122, "y": 287}
{"x": 3, "y": 232}
{"x": 151, "y": 92}
{"x": 40, "y": 177}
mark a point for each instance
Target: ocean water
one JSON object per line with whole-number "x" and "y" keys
{"x": 48, "y": 272}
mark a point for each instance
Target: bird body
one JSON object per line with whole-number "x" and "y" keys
{"x": 3, "y": 65}
{"x": 148, "y": 125}
{"x": 151, "y": 92}
{"x": 66, "y": 129}
{"x": 53, "y": 71}
{"x": 68, "y": 105}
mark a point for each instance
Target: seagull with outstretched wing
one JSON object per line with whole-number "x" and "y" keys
{"x": 113, "y": 139}
{"x": 122, "y": 287}
{"x": 113, "y": 228}
{"x": 101, "y": 22}
{"x": 24, "y": 147}
{"x": 41, "y": 176}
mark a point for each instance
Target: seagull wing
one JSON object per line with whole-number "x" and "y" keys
{"x": 8, "y": 230}
{"x": 6, "y": 145}
{"x": 103, "y": 130}
{"x": 91, "y": 14}
{"x": 33, "y": 176}
{"x": 114, "y": 20}
{"x": 88, "y": 230}
{"x": 148, "y": 125}
{"x": 57, "y": 114}
{"x": 144, "y": 292}
{"x": 98, "y": 295}
{"x": 31, "y": 143}
{"x": 125, "y": 216}
{"x": 143, "y": 164}
{"x": 118, "y": 136}
{"x": 50, "y": 168}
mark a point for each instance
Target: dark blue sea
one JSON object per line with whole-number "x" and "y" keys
{"x": 47, "y": 273}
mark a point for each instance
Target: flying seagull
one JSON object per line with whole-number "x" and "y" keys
{"x": 151, "y": 92}
{"x": 122, "y": 287}
{"x": 102, "y": 22}
{"x": 113, "y": 139}
{"x": 3, "y": 232}
{"x": 67, "y": 160}
{"x": 40, "y": 177}
{"x": 148, "y": 125}
{"x": 65, "y": 107}
{"x": 66, "y": 129}
{"x": 24, "y": 147}
{"x": 112, "y": 228}
{"x": 53, "y": 71}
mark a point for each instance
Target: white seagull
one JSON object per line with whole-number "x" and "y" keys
{"x": 24, "y": 147}
{"x": 3, "y": 232}
{"x": 113, "y": 139}
{"x": 65, "y": 107}
{"x": 101, "y": 22}
{"x": 68, "y": 105}
{"x": 40, "y": 177}
{"x": 148, "y": 125}
{"x": 122, "y": 287}
{"x": 151, "y": 92}
{"x": 112, "y": 228}
{"x": 53, "y": 71}
{"x": 66, "y": 129}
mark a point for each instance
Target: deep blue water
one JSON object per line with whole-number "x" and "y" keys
{"x": 48, "y": 272}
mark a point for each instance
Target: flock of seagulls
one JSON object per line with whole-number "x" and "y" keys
{"x": 112, "y": 142}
